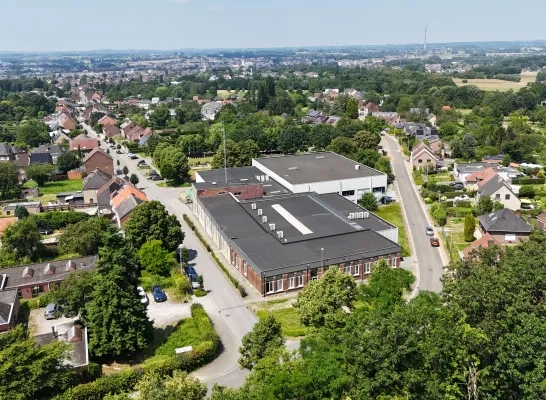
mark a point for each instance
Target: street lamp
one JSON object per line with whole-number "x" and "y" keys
{"x": 180, "y": 247}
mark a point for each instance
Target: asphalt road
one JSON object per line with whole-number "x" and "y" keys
{"x": 228, "y": 311}
{"x": 429, "y": 261}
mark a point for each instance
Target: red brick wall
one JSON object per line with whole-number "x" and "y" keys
{"x": 100, "y": 161}
{"x": 253, "y": 191}
{"x": 74, "y": 175}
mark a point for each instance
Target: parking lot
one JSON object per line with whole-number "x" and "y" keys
{"x": 39, "y": 325}
{"x": 168, "y": 312}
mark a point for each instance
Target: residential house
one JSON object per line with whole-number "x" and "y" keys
{"x": 477, "y": 179}
{"x": 498, "y": 190}
{"x": 66, "y": 121}
{"x": 70, "y": 198}
{"x": 75, "y": 335}
{"x": 60, "y": 135}
{"x": 505, "y": 226}
{"x": 431, "y": 119}
{"x": 144, "y": 139}
{"x": 421, "y": 155}
{"x": 541, "y": 221}
{"x": 33, "y": 279}
{"x": 367, "y": 109}
{"x": 45, "y": 154}
{"x": 93, "y": 182}
{"x": 484, "y": 242}
{"x": 446, "y": 108}
{"x": 110, "y": 131}
{"x": 125, "y": 201}
{"x": 135, "y": 134}
{"x": 105, "y": 192}
{"x": 33, "y": 207}
{"x": 98, "y": 159}
{"x": 439, "y": 147}
{"x": 84, "y": 144}
{"x": 495, "y": 159}
{"x": 417, "y": 110}
{"x": 6, "y": 222}
{"x": 389, "y": 117}
{"x": 8, "y": 152}
{"x": 107, "y": 120}
{"x": 9, "y": 308}
{"x": 209, "y": 110}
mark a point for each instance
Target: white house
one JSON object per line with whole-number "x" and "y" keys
{"x": 498, "y": 190}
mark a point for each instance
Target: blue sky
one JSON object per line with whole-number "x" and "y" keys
{"x": 33, "y": 25}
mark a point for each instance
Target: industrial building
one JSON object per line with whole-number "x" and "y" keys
{"x": 279, "y": 243}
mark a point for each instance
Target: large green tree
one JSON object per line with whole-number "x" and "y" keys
{"x": 325, "y": 302}
{"x": 68, "y": 161}
{"x": 23, "y": 239}
{"x": 74, "y": 292}
{"x": 85, "y": 237}
{"x": 40, "y": 173}
{"x": 155, "y": 259}
{"x": 171, "y": 162}
{"x": 160, "y": 117}
{"x": 265, "y": 337}
{"x": 368, "y": 201}
{"x": 9, "y": 179}
{"x": 352, "y": 108}
{"x": 151, "y": 221}
{"x": 176, "y": 387}
{"x": 367, "y": 140}
{"x": 28, "y": 371}
{"x": 33, "y": 133}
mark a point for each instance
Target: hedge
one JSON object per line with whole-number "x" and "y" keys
{"x": 529, "y": 181}
{"x": 121, "y": 382}
{"x": 234, "y": 281}
{"x": 458, "y": 211}
{"x": 40, "y": 301}
{"x": 59, "y": 219}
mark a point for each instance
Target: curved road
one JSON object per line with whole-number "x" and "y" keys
{"x": 428, "y": 259}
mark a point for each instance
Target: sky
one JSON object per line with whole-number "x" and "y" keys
{"x": 72, "y": 25}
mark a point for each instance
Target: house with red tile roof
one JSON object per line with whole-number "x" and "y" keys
{"x": 484, "y": 242}
{"x": 97, "y": 158}
{"x": 477, "y": 179}
{"x": 84, "y": 144}
{"x": 66, "y": 121}
{"x": 107, "y": 120}
{"x": 125, "y": 201}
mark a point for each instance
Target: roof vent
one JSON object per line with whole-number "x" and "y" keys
{"x": 292, "y": 168}
{"x": 214, "y": 183}
{"x": 253, "y": 206}
{"x": 271, "y": 227}
{"x": 28, "y": 272}
{"x": 74, "y": 334}
{"x": 244, "y": 179}
{"x": 357, "y": 166}
{"x": 260, "y": 211}
{"x": 70, "y": 266}
{"x": 280, "y": 234}
{"x": 264, "y": 219}
{"x": 352, "y": 216}
{"x": 49, "y": 269}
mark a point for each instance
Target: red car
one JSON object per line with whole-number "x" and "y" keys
{"x": 434, "y": 242}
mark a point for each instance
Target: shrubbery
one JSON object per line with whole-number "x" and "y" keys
{"x": 121, "y": 382}
{"x": 59, "y": 219}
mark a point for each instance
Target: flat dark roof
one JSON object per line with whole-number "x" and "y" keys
{"x": 309, "y": 223}
{"x": 218, "y": 175}
{"x": 315, "y": 167}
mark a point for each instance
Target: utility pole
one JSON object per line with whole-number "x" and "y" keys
{"x": 425, "y": 46}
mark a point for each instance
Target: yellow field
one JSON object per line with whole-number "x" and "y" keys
{"x": 496, "y": 84}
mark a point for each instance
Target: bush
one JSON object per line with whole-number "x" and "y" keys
{"x": 469, "y": 227}
{"x": 121, "y": 382}
{"x": 529, "y": 181}
{"x": 242, "y": 291}
{"x": 200, "y": 292}
{"x": 147, "y": 280}
{"x": 428, "y": 200}
{"x": 40, "y": 301}
{"x": 527, "y": 191}
{"x": 59, "y": 219}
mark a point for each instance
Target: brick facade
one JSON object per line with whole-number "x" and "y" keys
{"x": 242, "y": 192}
{"x": 101, "y": 161}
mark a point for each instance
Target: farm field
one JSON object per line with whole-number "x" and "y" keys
{"x": 497, "y": 84}
{"x": 226, "y": 93}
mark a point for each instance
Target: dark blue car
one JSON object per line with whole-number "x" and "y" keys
{"x": 192, "y": 276}
{"x": 159, "y": 294}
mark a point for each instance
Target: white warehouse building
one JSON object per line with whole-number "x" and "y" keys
{"x": 322, "y": 173}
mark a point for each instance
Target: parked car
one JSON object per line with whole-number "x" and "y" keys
{"x": 133, "y": 157}
{"x": 152, "y": 172}
{"x": 130, "y": 154}
{"x": 142, "y": 295}
{"x": 141, "y": 163}
{"x": 434, "y": 242}
{"x": 119, "y": 172}
{"x": 464, "y": 197}
{"x": 429, "y": 231}
{"x": 51, "y": 311}
{"x": 156, "y": 177}
{"x": 159, "y": 294}
{"x": 192, "y": 276}
{"x": 458, "y": 185}
{"x": 46, "y": 231}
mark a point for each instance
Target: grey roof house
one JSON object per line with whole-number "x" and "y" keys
{"x": 209, "y": 110}
{"x": 75, "y": 335}
{"x": 505, "y": 226}
{"x": 45, "y": 154}
{"x": 9, "y": 307}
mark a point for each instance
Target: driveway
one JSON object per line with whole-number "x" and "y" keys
{"x": 39, "y": 325}
{"x": 167, "y": 312}
{"x": 429, "y": 261}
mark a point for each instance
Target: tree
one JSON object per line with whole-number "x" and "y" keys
{"x": 368, "y": 201}
{"x": 352, "y": 108}
{"x": 498, "y": 206}
{"x": 321, "y": 135}
{"x": 321, "y": 302}
{"x": 172, "y": 162}
{"x": 469, "y": 227}
{"x": 85, "y": 237}
{"x": 74, "y": 292}
{"x": 133, "y": 179}
{"x": 367, "y": 140}
{"x": 343, "y": 146}
{"x": 180, "y": 115}
{"x": 151, "y": 221}
{"x": 160, "y": 117}
{"x": 248, "y": 150}
{"x": 155, "y": 259}
{"x": 21, "y": 212}
{"x": 265, "y": 337}
{"x": 117, "y": 322}
{"x": 292, "y": 139}
{"x": 41, "y": 371}
{"x": 23, "y": 239}
{"x": 125, "y": 170}
{"x": 485, "y": 205}
{"x": 9, "y": 179}
{"x": 367, "y": 157}
{"x": 68, "y": 161}
{"x": 527, "y": 191}
{"x": 33, "y": 133}
{"x": 179, "y": 386}
{"x": 40, "y": 173}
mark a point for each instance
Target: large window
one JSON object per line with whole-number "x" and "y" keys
{"x": 292, "y": 282}
{"x": 36, "y": 290}
{"x": 368, "y": 267}
{"x": 510, "y": 237}
{"x": 393, "y": 261}
{"x": 245, "y": 268}
{"x": 348, "y": 193}
{"x": 300, "y": 280}
{"x": 348, "y": 269}
{"x": 279, "y": 284}
{"x": 356, "y": 270}
{"x": 270, "y": 287}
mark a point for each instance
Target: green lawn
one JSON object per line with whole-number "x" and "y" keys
{"x": 199, "y": 161}
{"x": 444, "y": 177}
{"x": 285, "y": 314}
{"x": 455, "y": 237}
{"x": 49, "y": 191}
{"x": 393, "y": 213}
{"x": 417, "y": 178}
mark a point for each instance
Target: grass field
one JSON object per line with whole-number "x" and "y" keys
{"x": 283, "y": 312}
{"x": 49, "y": 191}
{"x": 199, "y": 161}
{"x": 226, "y": 93}
{"x": 455, "y": 227}
{"x": 393, "y": 213}
{"x": 497, "y": 84}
